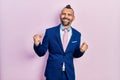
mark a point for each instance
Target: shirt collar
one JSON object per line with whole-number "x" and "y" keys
{"x": 63, "y": 28}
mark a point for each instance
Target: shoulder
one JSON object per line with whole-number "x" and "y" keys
{"x": 53, "y": 29}
{"x": 76, "y": 32}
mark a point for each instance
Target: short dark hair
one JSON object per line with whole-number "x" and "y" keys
{"x": 68, "y": 6}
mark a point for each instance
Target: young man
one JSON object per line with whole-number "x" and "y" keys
{"x": 63, "y": 44}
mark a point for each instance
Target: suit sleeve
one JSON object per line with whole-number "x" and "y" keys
{"x": 42, "y": 48}
{"x": 77, "y": 53}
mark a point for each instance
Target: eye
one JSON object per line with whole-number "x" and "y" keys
{"x": 69, "y": 14}
{"x": 63, "y": 13}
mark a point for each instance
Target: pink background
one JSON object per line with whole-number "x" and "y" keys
{"x": 97, "y": 20}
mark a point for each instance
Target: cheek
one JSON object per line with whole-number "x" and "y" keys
{"x": 71, "y": 19}
{"x": 62, "y": 16}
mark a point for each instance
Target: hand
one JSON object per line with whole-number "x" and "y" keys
{"x": 84, "y": 47}
{"x": 37, "y": 39}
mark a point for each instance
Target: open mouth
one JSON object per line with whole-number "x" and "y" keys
{"x": 66, "y": 19}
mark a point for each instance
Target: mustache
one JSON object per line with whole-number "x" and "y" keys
{"x": 65, "y": 18}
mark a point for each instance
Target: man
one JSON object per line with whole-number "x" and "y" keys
{"x": 63, "y": 44}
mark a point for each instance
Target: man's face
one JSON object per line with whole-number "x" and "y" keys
{"x": 67, "y": 16}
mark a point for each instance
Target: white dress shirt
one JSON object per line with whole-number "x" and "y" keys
{"x": 62, "y": 33}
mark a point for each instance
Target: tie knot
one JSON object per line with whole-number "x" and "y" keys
{"x": 66, "y": 30}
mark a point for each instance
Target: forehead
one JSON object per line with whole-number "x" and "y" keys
{"x": 66, "y": 10}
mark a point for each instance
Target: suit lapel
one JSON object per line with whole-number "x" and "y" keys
{"x": 58, "y": 37}
{"x": 69, "y": 46}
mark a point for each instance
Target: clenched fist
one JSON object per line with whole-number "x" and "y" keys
{"x": 37, "y": 39}
{"x": 84, "y": 47}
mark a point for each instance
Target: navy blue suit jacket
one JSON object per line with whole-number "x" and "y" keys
{"x": 57, "y": 56}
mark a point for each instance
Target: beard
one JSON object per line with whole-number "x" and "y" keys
{"x": 65, "y": 23}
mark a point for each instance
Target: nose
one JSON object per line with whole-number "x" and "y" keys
{"x": 66, "y": 16}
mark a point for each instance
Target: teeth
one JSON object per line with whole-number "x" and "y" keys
{"x": 65, "y": 19}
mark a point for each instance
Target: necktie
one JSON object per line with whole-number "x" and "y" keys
{"x": 65, "y": 39}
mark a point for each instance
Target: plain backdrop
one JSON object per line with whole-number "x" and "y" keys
{"x": 97, "y": 20}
